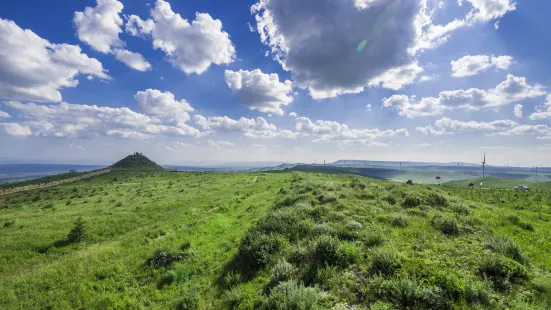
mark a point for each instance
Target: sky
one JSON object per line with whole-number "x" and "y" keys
{"x": 191, "y": 82}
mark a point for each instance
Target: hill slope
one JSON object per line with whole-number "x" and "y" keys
{"x": 286, "y": 240}
{"x": 136, "y": 162}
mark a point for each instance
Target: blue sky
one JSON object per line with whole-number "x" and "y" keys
{"x": 275, "y": 80}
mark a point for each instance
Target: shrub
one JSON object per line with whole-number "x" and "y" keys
{"x": 327, "y": 198}
{"x": 323, "y": 229}
{"x": 283, "y": 221}
{"x": 291, "y": 296}
{"x": 232, "y": 278}
{"x": 373, "y": 239}
{"x": 411, "y": 202}
{"x": 452, "y": 287}
{"x": 282, "y": 271}
{"x": 163, "y": 259}
{"x": 434, "y": 199}
{"x": 399, "y": 221}
{"x": 78, "y": 232}
{"x": 9, "y": 223}
{"x": 366, "y": 195}
{"x": 327, "y": 252}
{"x": 447, "y": 225}
{"x": 516, "y": 221}
{"x": 257, "y": 247}
{"x": 507, "y": 247}
{"x": 233, "y": 298}
{"x": 502, "y": 271}
{"x": 403, "y": 291}
{"x": 190, "y": 301}
{"x": 477, "y": 293}
{"x": 390, "y": 199}
{"x": 460, "y": 209}
{"x": 385, "y": 262}
{"x": 298, "y": 255}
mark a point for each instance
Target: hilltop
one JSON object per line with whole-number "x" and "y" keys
{"x": 136, "y": 162}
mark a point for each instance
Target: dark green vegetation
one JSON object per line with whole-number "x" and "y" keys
{"x": 136, "y": 162}
{"x": 288, "y": 240}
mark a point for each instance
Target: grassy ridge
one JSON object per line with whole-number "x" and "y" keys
{"x": 289, "y": 240}
{"x": 51, "y": 178}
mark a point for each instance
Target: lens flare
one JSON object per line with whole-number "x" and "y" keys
{"x": 361, "y": 46}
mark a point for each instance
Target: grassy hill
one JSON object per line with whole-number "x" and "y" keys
{"x": 136, "y": 162}
{"x": 489, "y": 182}
{"x": 281, "y": 240}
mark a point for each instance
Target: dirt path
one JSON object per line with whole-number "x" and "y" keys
{"x": 53, "y": 183}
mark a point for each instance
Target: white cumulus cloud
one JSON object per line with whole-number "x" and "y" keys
{"x": 518, "y": 110}
{"x": 163, "y": 104}
{"x": 334, "y": 131}
{"x": 4, "y": 114}
{"x": 447, "y": 126}
{"x": 65, "y": 120}
{"x": 100, "y": 26}
{"x": 473, "y": 65}
{"x": 542, "y": 112}
{"x": 32, "y": 68}
{"x": 513, "y": 89}
{"x": 260, "y": 91}
{"x": 133, "y": 60}
{"x": 191, "y": 47}
{"x": 16, "y": 130}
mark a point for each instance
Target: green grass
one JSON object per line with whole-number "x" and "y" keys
{"x": 489, "y": 182}
{"x": 290, "y": 240}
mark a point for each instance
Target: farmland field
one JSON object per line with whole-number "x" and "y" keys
{"x": 273, "y": 241}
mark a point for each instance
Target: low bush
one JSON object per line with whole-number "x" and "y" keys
{"x": 411, "y": 202}
{"x": 447, "y": 225}
{"x": 163, "y": 259}
{"x": 257, "y": 248}
{"x": 399, "y": 221}
{"x": 436, "y": 200}
{"x": 9, "y": 223}
{"x": 292, "y": 296}
{"x": 189, "y": 301}
{"x": 518, "y": 222}
{"x": 373, "y": 239}
{"x": 327, "y": 198}
{"x": 502, "y": 271}
{"x": 282, "y": 271}
{"x": 507, "y": 247}
{"x": 477, "y": 293}
{"x": 385, "y": 262}
{"x": 327, "y": 252}
{"x": 390, "y": 199}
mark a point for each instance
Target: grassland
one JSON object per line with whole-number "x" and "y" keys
{"x": 490, "y": 182}
{"x": 282, "y": 240}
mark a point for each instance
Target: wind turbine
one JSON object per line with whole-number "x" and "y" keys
{"x": 484, "y": 165}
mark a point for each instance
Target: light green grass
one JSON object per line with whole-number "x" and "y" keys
{"x": 290, "y": 240}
